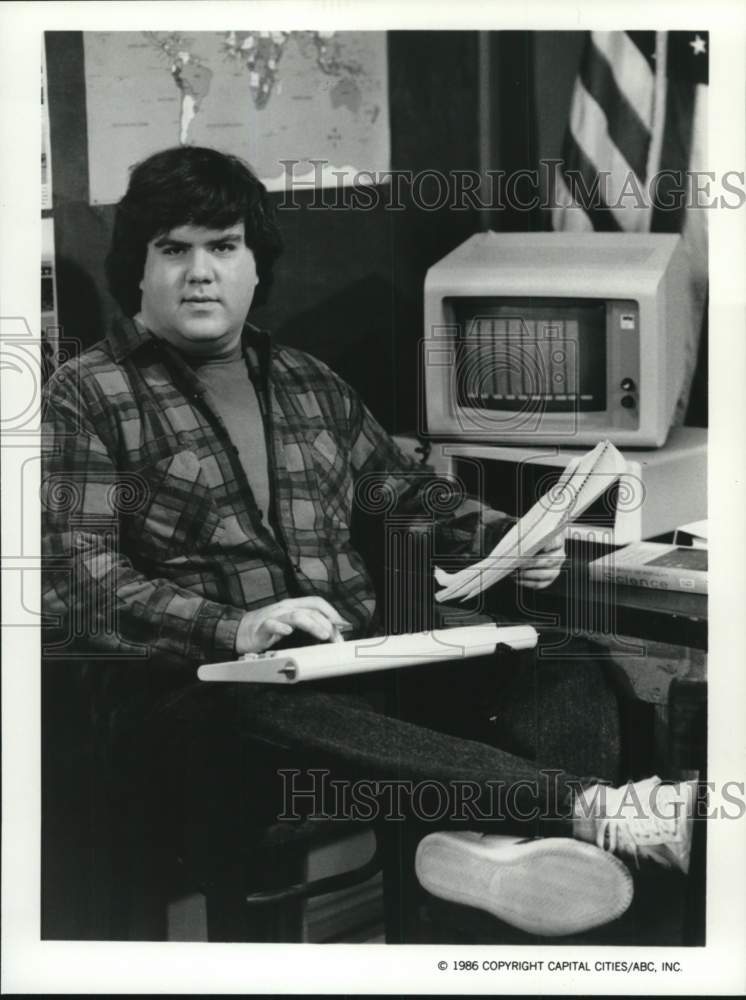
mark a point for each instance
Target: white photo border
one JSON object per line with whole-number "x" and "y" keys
{"x": 34, "y": 966}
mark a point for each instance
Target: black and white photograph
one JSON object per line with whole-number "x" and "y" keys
{"x": 373, "y": 488}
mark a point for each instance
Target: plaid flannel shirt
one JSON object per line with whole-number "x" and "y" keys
{"x": 153, "y": 544}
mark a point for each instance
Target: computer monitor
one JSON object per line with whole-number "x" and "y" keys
{"x": 556, "y": 338}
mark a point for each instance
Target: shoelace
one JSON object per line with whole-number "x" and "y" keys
{"x": 630, "y": 834}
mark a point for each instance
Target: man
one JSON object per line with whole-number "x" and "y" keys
{"x": 202, "y": 483}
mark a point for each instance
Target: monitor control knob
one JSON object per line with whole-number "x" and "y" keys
{"x": 627, "y": 385}
{"x": 628, "y": 402}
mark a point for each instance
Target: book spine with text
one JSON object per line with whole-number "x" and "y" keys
{"x": 651, "y": 577}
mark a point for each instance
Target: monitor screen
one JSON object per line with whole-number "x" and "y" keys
{"x": 520, "y": 353}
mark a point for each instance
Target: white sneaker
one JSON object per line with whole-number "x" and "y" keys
{"x": 548, "y": 886}
{"x": 643, "y": 819}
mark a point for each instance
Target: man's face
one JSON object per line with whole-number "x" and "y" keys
{"x": 197, "y": 287}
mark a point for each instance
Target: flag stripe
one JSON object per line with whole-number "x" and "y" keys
{"x": 567, "y": 215}
{"x": 624, "y": 193}
{"x": 577, "y": 162}
{"x": 631, "y": 71}
{"x": 628, "y": 132}
{"x": 645, "y": 43}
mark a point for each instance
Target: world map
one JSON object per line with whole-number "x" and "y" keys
{"x": 302, "y": 107}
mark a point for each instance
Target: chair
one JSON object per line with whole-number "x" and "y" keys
{"x": 120, "y": 838}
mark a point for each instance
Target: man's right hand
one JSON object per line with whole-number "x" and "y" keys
{"x": 261, "y": 629}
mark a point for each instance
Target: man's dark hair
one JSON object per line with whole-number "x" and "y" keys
{"x": 189, "y": 186}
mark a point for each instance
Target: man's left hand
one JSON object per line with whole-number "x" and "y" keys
{"x": 543, "y": 568}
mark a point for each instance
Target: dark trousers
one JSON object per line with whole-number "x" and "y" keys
{"x": 498, "y": 742}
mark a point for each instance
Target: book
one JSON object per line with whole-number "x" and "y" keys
{"x": 387, "y": 652}
{"x": 655, "y": 566}
{"x": 583, "y": 481}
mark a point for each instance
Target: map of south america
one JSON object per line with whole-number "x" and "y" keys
{"x": 190, "y": 75}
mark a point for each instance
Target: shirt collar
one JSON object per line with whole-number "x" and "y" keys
{"x": 126, "y": 336}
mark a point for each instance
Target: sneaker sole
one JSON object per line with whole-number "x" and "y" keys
{"x": 555, "y": 886}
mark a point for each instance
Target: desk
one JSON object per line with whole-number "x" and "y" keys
{"x": 576, "y": 601}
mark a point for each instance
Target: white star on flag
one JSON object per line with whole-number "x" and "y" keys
{"x": 698, "y": 46}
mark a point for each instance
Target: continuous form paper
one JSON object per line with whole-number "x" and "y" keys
{"x": 584, "y": 480}
{"x": 310, "y": 663}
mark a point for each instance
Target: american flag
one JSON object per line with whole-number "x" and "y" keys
{"x": 636, "y": 133}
